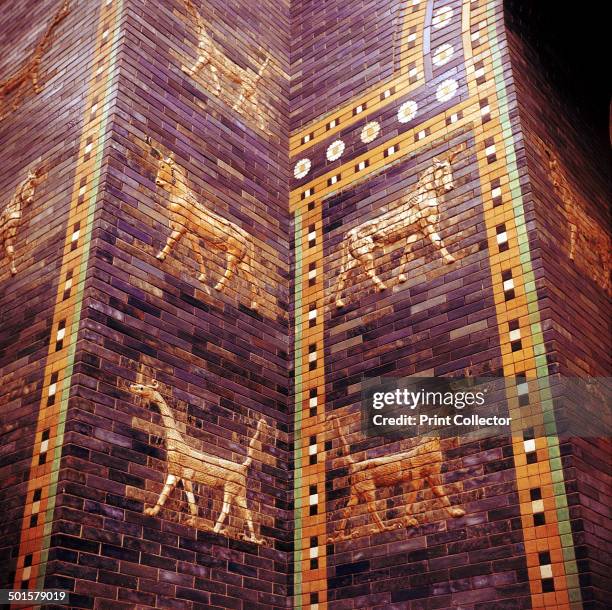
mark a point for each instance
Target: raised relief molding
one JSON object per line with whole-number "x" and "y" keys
{"x": 416, "y": 216}
{"x": 589, "y": 243}
{"x": 191, "y": 218}
{"x": 414, "y": 467}
{"x": 245, "y": 99}
{"x": 28, "y": 73}
{"x": 11, "y": 216}
{"x": 187, "y": 465}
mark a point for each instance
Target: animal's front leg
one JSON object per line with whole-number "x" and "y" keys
{"x": 435, "y": 484}
{"x": 436, "y": 240}
{"x": 368, "y": 261}
{"x": 253, "y": 282}
{"x": 177, "y": 232}
{"x": 227, "y": 502}
{"x": 242, "y": 503}
{"x": 37, "y": 88}
{"x": 407, "y": 256}
{"x": 166, "y": 491}
{"x": 573, "y": 234}
{"x": 370, "y": 497}
{"x": 230, "y": 269}
{"x": 410, "y": 520}
{"x": 193, "y": 507}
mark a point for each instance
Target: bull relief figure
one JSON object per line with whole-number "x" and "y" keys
{"x": 28, "y": 73}
{"x": 589, "y": 245}
{"x": 417, "y": 215}
{"x": 187, "y": 465}
{"x": 190, "y": 217}
{"x": 414, "y": 467}
{"x": 218, "y": 64}
{"x": 10, "y": 218}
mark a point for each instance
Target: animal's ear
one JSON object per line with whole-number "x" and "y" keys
{"x": 154, "y": 384}
{"x": 154, "y": 151}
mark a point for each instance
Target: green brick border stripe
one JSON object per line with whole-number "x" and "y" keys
{"x": 297, "y": 454}
{"x": 79, "y": 292}
{"x": 560, "y": 493}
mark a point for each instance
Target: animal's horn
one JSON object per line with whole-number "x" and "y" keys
{"x": 454, "y": 152}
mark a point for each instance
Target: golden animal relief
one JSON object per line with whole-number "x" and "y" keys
{"x": 414, "y": 467}
{"x": 239, "y": 87}
{"x": 188, "y": 466}
{"x": 589, "y": 244}
{"x": 28, "y": 73}
{"x": 189, "y": 217}
{"x": 10, "y": 218}
{"x": 417, "y": 215}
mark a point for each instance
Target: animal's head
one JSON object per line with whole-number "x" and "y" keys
{"x": 166, "y": 168}
{"x": 29, "y": 186}
{"x": 147, "y": 391}
{"x": 442, "y": 176}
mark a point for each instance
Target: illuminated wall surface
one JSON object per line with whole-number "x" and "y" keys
{"x": 171, "y": 305}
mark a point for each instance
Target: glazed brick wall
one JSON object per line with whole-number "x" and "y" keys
{"x": 44, "y": 130}
{"x": 221, "y": 366}
{"x": 439, "y": 322}
{"x": 577, "y": 324}
{"x": 338, "y": 50}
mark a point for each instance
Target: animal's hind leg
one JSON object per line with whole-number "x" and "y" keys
{"x": 166, "y": 491}
{"x": 193, "y": 507}
{"x": 9, "y": 246}
{"x": 340, "y": 533}
{"x": 407, "y": 256}
{"x": 230, "y": 269}
{"x": 197, "y": 250}
{"x": 435, "y": 484}
{"x": 347, "y": 267}
{"x": 248, "y": 516}
{"x": 370, "y": 497}
{"x": 227, "y": 502}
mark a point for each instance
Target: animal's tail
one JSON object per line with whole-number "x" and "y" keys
{"x": 196, "y": 14}
{"x": 251, "y": 448}
{"x": 263, "y": 66}
{"x": 343, "y": 442}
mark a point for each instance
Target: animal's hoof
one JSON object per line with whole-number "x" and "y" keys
{"x": 219, "y": 286}
{"x": 190, "y": 520}
{"x": 150, "y": 512}
{"x": 13, "y": 271}
{"x": 380, "y": 287}
{"x": 202, "y": 277}
{"x": 254, "y": 306}
{"x": 457, "y": 512}
{"x": 449, "y": 259}
{"x": 411, "y": 522}
{"x": 160, "y": 256}
{"x": 402, "y": 277}
{"x": 339, "y": 303}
